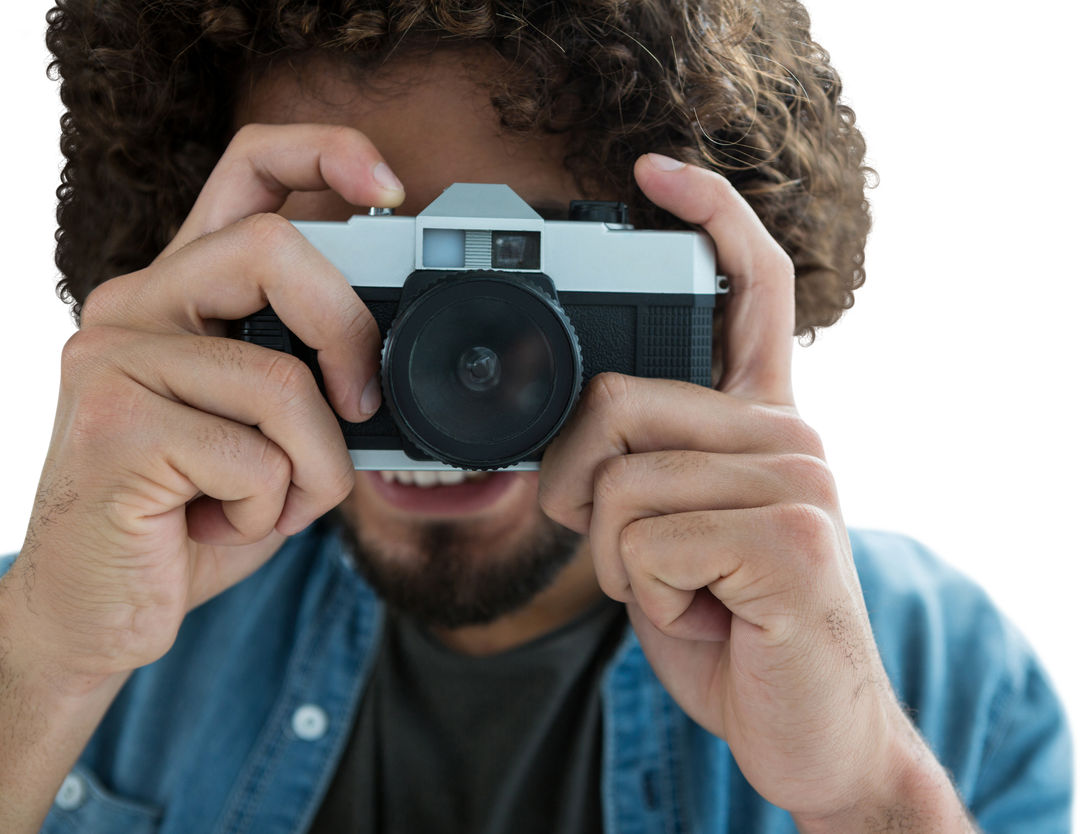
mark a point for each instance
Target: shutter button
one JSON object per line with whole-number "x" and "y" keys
{"x": 309, "y": 722}
{"x": 72, "y": 793}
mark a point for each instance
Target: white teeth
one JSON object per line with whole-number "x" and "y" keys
{"x": 426, "y": 479}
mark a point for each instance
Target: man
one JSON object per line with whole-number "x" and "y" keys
{"x": 289, "y": 698}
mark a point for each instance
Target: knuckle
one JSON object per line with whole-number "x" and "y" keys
{"x": 777, "y": 262}
{"x": 87, "y": 351}
{"x": 274, "y": 467}
{"x": 288, "y": 381}
{"x": 244, "y": 134}
{"x": 808, "y": 440}
{"x": 358, "y": 325}
{"x": 606, "y": 393}
{"x": 268, "y": 232}
{"x": 634, "y": 541}
{"x": 96, "y": 306}
{"x": 555, "y": 502}
{"x": 768, "y": 256}
{"x": 344, "y": 142}
{"x": 82, "y": 350}
{"x": 612, "y": 479}
{"x": 108, "y": 300}
{"x": 615, "y": 588}
{"x": 108, "y": 410}
{"x": 797, "y": 435}
{"x": 339, "y": 488}
{"x": 345, "y": 138}
{"x": 551, "y": 501}
{"x": 253, "y": 530}
{"x": 806, "y": 529}
{"x": 246, "y": 137}
{"x": 811, "y": 474}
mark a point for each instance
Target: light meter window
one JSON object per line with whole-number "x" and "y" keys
{"x": 444, "y": 248}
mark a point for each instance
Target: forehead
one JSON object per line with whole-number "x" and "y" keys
{"x": 429, "y": 115}
{"x": 329, "y": 86}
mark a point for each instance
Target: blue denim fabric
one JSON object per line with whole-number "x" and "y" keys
{"x": 208, "y": 740}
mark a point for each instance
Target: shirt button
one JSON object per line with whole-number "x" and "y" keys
{"x": 310, "y": 722}
{"x": 72, "y": 793}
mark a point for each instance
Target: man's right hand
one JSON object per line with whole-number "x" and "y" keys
{"x": 181, "y": 459}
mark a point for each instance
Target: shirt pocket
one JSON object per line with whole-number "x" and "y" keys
{"x": 84, "y": 806}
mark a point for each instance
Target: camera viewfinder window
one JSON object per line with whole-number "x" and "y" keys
{"x": 515, "y": 250}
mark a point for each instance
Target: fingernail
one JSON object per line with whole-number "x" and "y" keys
{"x": 385, "y": 177}
{"x": 371, "y": 399}
{"x": 665, "y": 163}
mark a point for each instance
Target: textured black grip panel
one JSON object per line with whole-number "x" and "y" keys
{"x": 676, "y": 343}
{"x": 669, "y": 342}
{"x": 607, "y": 335}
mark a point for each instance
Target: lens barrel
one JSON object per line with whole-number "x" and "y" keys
{"x": 481, "y": 369}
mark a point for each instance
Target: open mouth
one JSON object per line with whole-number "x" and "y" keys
{"x": 447, "y": 492}
{"x": 422, "y": 478}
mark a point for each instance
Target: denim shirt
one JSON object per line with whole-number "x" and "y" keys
{"x": 239, "y": 727}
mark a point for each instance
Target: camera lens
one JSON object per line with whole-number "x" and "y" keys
{"x": 468, "y": 393}
{"x": 481, "y": 370}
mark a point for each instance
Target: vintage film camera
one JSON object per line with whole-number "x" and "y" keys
{"x": 493, "y": 319}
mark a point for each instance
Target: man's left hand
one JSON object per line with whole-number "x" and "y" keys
{"x": 713, "y": 515}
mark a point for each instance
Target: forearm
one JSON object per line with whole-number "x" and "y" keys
{"x": 46, "y": 720}
{"x": 912, "y": 793}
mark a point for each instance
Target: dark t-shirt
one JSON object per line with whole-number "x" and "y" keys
{"x": 450, "y": 743}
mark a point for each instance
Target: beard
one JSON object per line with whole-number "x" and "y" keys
{"x": 443, "y": 585}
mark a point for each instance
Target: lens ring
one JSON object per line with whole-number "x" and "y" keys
{"x": 430, "y": 421}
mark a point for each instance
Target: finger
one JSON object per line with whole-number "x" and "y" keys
{"x": 620, "y": 415}
{"x": 704, "y": 618}
{"x": 257, "y": 387}
{"x": 633, "y": 487}
{"x": 264, "y": 163}
{"x": 678, "y": 663}
{"x": 236, "y": 272}
{"x": 215, "y": 568}
{"x": 759, "y": 314}
{"x": 757, "y": 562}
{"x": 153, "y": 456}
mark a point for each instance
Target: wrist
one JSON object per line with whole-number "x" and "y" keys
{"x": 909, "y": 791}
{"x": 29, "y": 658}
{"x": 46, "y": 717}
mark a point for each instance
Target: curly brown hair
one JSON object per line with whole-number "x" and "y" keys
{"x": 738, "y": 86}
